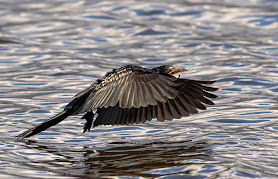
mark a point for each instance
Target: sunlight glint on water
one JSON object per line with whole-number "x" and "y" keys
{"x": 52, "y": 50}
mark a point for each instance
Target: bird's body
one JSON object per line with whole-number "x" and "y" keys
{"x": 132, "y": 94}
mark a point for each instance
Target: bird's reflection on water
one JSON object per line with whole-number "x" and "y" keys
{"x": 127, "y": 159}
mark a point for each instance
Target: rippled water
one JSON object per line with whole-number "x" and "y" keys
{"x": 50, "y": 50}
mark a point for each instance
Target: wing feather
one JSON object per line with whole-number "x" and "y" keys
{"x": 130, "y": 98}
{"x": 201, "y": 91}
{"x": 130, "y": 114}
{"x": 183, "y": 110}
{"x": 209, "y": 95}
{"x": 101, "y": 96}
{"x": 125, "y": 95}
{"x": 113, "y": 100}
{"x": 174, "y": 109}
{"x": 188, "y": 104}
{"x": 148, "y": 113}
{"x": 160, "y": 113}
{"x": 154, "y": 95}
{"x": 115, "y": 115}
{"x": 108, "y": 116}
{"x": 141, "y": 96}
{"x": 136, "y": 100}
{"x": 142, "y": 116}
{"x": 119, "y": 117}
{"x": 154, "y": 112}
{"x": 147, "y": 95}
{"x": 207, "y": 88}
{"x": 194, "y": 102}
{"x": 125, "y": 116}
{"x": 166, "y": 111}
{"x": 166, "y": 90}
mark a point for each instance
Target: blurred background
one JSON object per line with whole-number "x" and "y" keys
{"x": 51, "y": 50}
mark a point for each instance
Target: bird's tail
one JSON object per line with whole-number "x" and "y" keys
{"x": 46, "y": 124}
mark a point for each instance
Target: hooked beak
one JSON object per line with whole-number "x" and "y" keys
{"x": 174, "y": 70}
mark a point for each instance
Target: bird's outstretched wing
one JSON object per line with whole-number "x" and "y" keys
{"x": 190, "y": 97}
{"x": 156, "y": 96}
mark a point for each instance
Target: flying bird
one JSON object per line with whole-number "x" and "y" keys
{"x": 133, "y": 94}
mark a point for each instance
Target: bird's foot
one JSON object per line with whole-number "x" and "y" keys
{"x": 89, "y": 116}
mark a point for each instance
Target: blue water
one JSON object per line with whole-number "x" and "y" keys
{"x": 51, "y": 50}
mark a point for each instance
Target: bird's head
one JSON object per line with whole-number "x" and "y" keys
{"x": 168, "y": 70}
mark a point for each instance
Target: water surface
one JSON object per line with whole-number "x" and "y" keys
{"x": 52, "y": 50}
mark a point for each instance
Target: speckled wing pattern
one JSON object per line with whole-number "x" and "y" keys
{"x": 138, "y": 95}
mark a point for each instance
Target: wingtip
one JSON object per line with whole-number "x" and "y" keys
{"x": 208, "y": 82}
{"x": 23, "y": 135}
{"x": 20, "y": 139}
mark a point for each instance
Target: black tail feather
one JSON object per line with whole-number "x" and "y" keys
{"x": 46, "y": 124}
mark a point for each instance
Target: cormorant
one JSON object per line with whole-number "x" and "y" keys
{"x": 133, "y": 94}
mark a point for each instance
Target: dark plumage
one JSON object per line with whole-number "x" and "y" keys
{"x": 133, "y": 94}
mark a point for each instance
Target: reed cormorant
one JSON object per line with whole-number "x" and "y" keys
{"x": 133, "y": 94}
